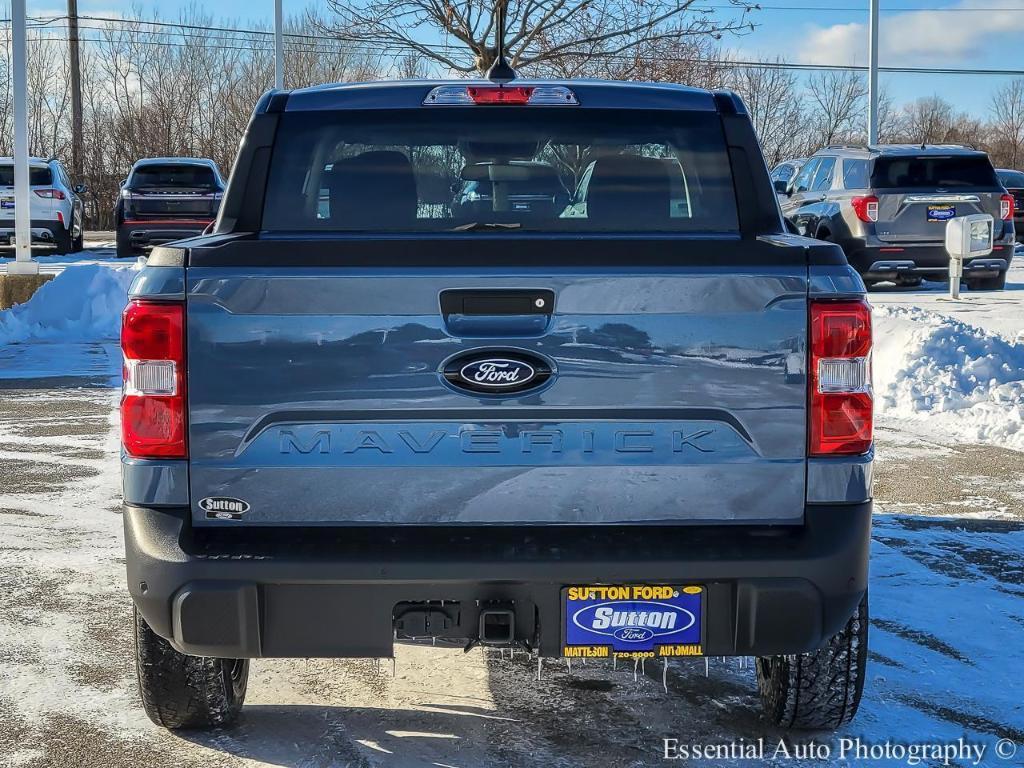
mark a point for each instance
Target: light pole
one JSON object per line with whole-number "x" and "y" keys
{"x": 278, "y": 45}
{"x": 873, "y": 72}
{"x": 22, "y": 264}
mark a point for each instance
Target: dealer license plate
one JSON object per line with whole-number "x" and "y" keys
{"x": 941, "y": 212}
{"x": 633, "y": 621}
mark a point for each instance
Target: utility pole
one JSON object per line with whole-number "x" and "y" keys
{"x": 873, "y": 72}
{"x": 278, "y": 45}
{"x": 77, "y": 161}
{"x": 23, "y": 264}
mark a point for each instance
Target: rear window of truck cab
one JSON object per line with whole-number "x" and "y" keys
{"x": 933, "y": 171}
{"x": 500, "y": 169}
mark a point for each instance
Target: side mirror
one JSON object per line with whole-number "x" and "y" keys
{"x": 122, "y": 182}
{"x": 781, "y": 186}
{"x": 80, "y": 189}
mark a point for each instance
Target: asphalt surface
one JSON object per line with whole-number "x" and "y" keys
{"x": 67, "y": 693}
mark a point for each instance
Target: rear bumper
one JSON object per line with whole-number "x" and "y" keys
{"x": 145, "y": 233}
{"x": 44, "y": 231}
{"x": 928, "y": 261}
{"x": 332, "y": 592}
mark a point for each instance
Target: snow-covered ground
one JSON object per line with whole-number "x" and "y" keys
{"x": 947, "y": 582}
{"x": 952, "y": 371}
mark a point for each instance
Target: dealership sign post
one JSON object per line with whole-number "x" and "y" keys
{"x": 23, "y": 264}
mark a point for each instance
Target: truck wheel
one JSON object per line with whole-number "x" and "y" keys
{"x": 819, "y": 690}
{"x": 124, "y": 246}
{"x": 180, "y": 691}
{"x": 988, "y": 283}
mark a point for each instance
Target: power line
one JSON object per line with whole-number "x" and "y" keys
{"x": 316, "y": 43}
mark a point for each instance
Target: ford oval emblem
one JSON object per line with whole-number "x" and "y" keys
{"x": 497, "y": 373}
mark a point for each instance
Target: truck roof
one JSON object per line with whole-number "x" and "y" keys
{"x": 408, "y": 94}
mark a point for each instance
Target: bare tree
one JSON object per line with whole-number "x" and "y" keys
{"x": 776, "y": 109}
{"x": 837, "y": 107}
{"x": 933, "y": 120}
{"x": 539, "y": 32}
{"x": 1008, "y": 124}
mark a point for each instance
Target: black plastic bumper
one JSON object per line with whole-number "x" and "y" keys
{"x": 928, "y": 261}
{"x": 150, "y": 233}
{"x": 331, "y": 592}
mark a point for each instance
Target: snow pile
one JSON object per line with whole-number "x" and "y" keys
{"x": 81, "y": 304}
{"x": 967, "y": 383}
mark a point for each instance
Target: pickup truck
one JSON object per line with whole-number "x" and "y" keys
{"x": 356, "y": 414}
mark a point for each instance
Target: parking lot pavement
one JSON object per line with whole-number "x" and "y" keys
{"x": 947, "y": 607}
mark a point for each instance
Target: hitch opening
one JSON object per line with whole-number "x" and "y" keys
{"x": 497, "y": 626}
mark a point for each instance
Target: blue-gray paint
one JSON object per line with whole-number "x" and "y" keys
{"x": 154, "y": 483}
{"x": 159, "y": 283}
{"x": 846, "y": 479}
{"x": 649, "y": 356}
{"x": 689, "y": 338}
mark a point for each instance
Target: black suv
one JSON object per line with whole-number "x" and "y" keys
{"x": 165, "y": 199}
{"x": 887, "y": 206}
{"x": 1014, "y": 183}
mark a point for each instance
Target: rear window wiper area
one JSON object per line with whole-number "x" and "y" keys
{"x": 479, "y": 226}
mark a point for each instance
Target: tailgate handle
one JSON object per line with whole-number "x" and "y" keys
{"x": 496, "y": 312}
{"x": 473, "y": 302}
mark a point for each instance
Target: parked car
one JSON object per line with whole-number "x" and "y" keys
{"x": 1013, "y": 181}
{"x": 887, "y": 207}
{"x": 165, "y": 199}
{"x": 617, "y": 432}
{"x": 784, "y": 172}
{"x": 55, "y": 205}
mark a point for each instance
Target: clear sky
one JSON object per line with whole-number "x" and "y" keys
{"x": 987, "y": 34}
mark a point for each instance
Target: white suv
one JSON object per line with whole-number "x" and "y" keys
{"x": 55, "y": 205}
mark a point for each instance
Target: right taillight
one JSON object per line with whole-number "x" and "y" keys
{"x": 153, "y": 423}
{"x": 1006, "y": 207}
{"x": 866, "y": 208}
{"x": 841, "y": 403}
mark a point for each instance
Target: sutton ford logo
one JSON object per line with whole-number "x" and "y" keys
{"x": 498, "y": 373}
{"x": 223, "y": 507}
{"x": 633, "y": 622}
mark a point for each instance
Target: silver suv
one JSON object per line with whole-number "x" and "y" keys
{"x": 887, "y": 206}
{"x": 54, "y": 204}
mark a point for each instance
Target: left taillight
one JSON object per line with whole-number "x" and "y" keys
{"x": 1006, "y": 207}
{"x": 841, "y": 402}
{"x": 153, "y": 419}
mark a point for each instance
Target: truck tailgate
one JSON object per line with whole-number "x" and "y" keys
{"x": 317, "y": 396}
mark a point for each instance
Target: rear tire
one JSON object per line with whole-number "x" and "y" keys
{"x": 988, "y": 283}
{"x": 180, "y": 691}
{"x": 820, "y": 690}
{"x": 78, "y": 243}
{"x": 124, "y": 246}
{"x": 62, "y": 241}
